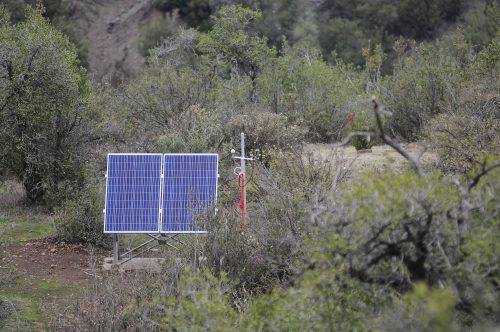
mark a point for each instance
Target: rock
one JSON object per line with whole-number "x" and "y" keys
{"x": 53, "y": 266}
{"x": 53, "y": 250}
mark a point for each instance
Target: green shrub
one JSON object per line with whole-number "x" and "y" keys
{"x": 463, "y": 136}
{"x": 307, "y": 89}
{"x": 364, "y": 121}
{"x": 425, "y": 83}
{"x": 156, "y": 31}
{"x": 422, "y": 309}
{"x": 321, "y": 296}
{"x": 200, "y": 302}
{"x": 81, "y": 220}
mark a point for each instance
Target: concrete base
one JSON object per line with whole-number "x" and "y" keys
{"x": 135, "y": 264}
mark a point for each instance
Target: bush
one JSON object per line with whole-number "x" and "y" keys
{"x": 422, "y": 309}
{"x": 463, "y": 140}
{"x": 81, "y": 220}
{"x": 279, "y": 200}
{"x": 463, "y": 136}
{"x": 425, "y": 83}
{"x": 363, "y": 120}
{"x": 155, "y": 32}
{"x": 307, "y": 89}
{"x": 266, "y": 134}
{"x": 200, "y": 302}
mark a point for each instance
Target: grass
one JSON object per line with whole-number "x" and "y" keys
{"x": 14, "y": 229}
{"x": 25, "y": 300}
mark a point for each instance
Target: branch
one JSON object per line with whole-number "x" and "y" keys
{"x": 485, "y": 170}
{"x": 389, "y": 141}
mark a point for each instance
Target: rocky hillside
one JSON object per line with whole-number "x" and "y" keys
{"x": 112, "y": 39}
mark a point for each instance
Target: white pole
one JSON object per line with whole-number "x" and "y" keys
{"x": 243, "y": 170}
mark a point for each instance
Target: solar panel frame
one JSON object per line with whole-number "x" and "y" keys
{"x": 160, "y": 185}
{"x": 164, "y": 211}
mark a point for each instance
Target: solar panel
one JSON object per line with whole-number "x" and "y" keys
{"x": 133, "y": 192}
{"x": 189, "y": 190}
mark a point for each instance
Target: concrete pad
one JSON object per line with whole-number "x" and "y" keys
{"x": 136, "y": 264}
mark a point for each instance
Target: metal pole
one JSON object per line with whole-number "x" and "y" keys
{"x": 243, "y": 170}
{"x": 116, "y": 249}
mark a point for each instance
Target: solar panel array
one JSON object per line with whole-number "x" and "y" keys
{"x": 148, "y": 193}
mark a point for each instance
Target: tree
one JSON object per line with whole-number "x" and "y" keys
{"x": 231, "y": 42}
{"x": 45, "y": 114}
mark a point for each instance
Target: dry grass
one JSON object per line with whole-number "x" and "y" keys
{"x": 11, "y": 196}
{"x": 380, "y": 158}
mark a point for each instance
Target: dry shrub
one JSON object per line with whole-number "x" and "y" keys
{"x": 11, "y": 194}
{"x": 463, "y": 138}
{"x": 265, "y": 133}
{"x": 106, "y": 305}
{"x": 265, "y": 253}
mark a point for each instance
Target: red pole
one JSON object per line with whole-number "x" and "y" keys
{"x": 241, "y": 180}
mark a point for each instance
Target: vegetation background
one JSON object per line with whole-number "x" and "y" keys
{"x": 413, "y": 248}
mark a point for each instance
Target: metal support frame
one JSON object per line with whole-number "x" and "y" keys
{"x": 161, "y": 239}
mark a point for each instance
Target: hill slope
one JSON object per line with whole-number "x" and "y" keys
{"x": 112, "y": 38}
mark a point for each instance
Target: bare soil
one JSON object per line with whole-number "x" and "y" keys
{"x": 56, "y": 261}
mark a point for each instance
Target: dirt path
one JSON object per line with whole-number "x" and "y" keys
{"x": 113, "y": 39}
{"x": 56, "y": 261}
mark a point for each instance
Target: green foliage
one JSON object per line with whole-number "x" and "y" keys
{"x": 200, "y": 303}
{"x": 16, "y": 230}
{"x": 303, "y": 86}
{"x": 363, "y": 122}
{"x": 231, "y": 42}
{"x": 196, "y": 13}
{"x": 281, "y": 18}
{"x": 81, "y": 220}
{"x": 426, "y": 83}
{"x": 422, "y": 309}
{"x": 481, "y": 23}
{"x": 344, "y": 38}
{"x": 385, "y": 220}
{"x": 266, "y": 134}
{"x": 472, "y": 129}
{"x": 155, "y": 32}
{"x": 15, "y": 8}
{"x": 166, "y": 110}
{"x": 322, "y": 298}
{"x": 45, "y": 112}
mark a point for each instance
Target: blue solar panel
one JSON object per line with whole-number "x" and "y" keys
{"x": 133, "y": 192}
{"x": 189, "y": 189}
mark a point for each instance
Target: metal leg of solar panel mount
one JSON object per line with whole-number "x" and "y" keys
{"x": 161, "y": 240}
{"x": 116, "y": 249}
